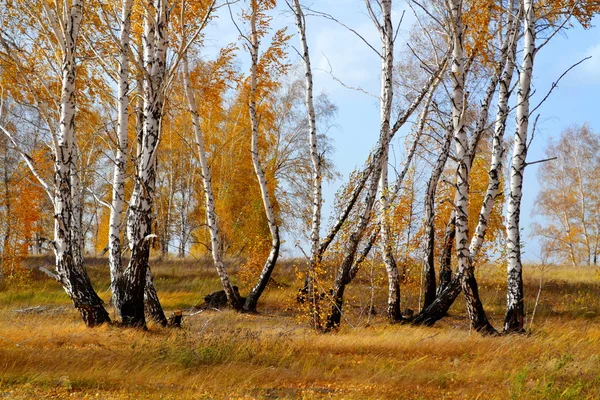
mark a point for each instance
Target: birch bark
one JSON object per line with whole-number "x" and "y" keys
{"x": 140, "y": 215}
{"x": 315, "y": 158}
{"x": 118, "y": 185}
{"x": 515, "y": 311}
{"x": 387, "y": 66}
{"x": 465, "y": 268}
{"x": 372, "y": 172}
{"x": 67, "y": 248}
{"x": 495, "y": 171}
{"x": 211, "y": 216}
{"x": 449, "y": 287}
{"x": 428, "y": 262}
{"x": 265, "y": 275}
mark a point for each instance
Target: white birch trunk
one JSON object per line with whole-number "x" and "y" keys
{"x": 119, "y": 172}
{"x": 429, "y": 283}
{"x": 387, "y": 93}
{"x": 375, "y": 157}
{"x": 465, "y": 269}
{"x": 211, "y": 215}
{"x": 495, "y": 172}
{"x": 515, "y": 311}
{"x": 265, "y": 274}
{"x": 69, "y": 262}
{"x": 140, "y": 216}
{"x": 372, "y": 171}
{"x": 315, "y": 158}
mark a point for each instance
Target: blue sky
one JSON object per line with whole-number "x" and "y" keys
{"x": 334, "y": 48}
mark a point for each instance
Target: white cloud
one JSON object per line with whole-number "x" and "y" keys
{"x": 591, "y": 68}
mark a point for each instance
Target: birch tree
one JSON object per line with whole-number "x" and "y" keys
{"x": 515, "y": 310}
{"x": 62, "y": 32}
{"x": 372, "y": 175}
{"x": 465, "y": 268}
{"x": 465, "y": 272}
{"x": 257, "y": 8}
{"x": 315, "y": 157}
{"x": 386, "y": 31}
{"x": 211, "y": 216}
{"x": 495, "y": 172}
{"x": 568, "y": 199}
{"x": 435, "y": 306}
{"x": 119, "y": 172}
{"x": 131, "y": 306}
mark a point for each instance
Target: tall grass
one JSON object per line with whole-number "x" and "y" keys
{"x": 223, "y": 354}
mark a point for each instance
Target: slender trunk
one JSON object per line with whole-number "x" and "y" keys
{"x": 211, "y": 215}
{"x": 119, "y": 173}
{"x": 315, "y": 158}
{"x": 269, "y": 265}
{"x": 445, "y": 269}
{"x": 495, "y": 171}
{"x": 429, "y": 263}
{"x": 387, "y": 93}
{"x": 375, "y": 158}
{"x": 77, "y": 238}
{"x": 343, "y": 276}
{"x": 6, "y": 247}
{"x": 399, "y": 180}
{"x": 373, "y": 170}
{"x": 449, "y": 288}
{"x": 515, "y": 310}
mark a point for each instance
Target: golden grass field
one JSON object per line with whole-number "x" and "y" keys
{"x": 226, "y": 355}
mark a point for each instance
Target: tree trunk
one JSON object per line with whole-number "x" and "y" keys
{"x": 118, "y": 186}
{"x": 507, "y": 65}
{"x": 445, "y": 269}
{"x": 211, "y": 215}
{"x": 375, "y": 158}
{"x": 315, "y": 157}
{"x": 448, "y": 287}
{"x": 152, "y": 306}
{"x": 429, "y": 263}
{"x": 140, "y": 217}
{"x": 69, "y": 263}
{"x": 343, "y": 277}
{"x": 387, "y": 93}
{"x": 515, "y": 310}
{"x": 475, "y": 310}
{"x": 269, "y": 265}
{"x": 343, "y": 273}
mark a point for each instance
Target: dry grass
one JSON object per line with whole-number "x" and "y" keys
{"x": 51, "y": 354}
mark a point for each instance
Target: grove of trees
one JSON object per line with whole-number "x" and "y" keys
{"x": 122, "y": 134}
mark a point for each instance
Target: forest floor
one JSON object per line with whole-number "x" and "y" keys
{"x": 47, "y": 352}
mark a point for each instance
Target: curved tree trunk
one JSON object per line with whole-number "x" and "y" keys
{"x": 70, "y": 270}
{"x": 65, "y": 191}
{"x": 315, "y": 157}
{"x": 445, "y": 269}
{"x": 429, "y": 263}
{"x": 211, "y": 215}
{"x": 448, "y": 288}
{"x": 269, "y": 265}
{"x": 495, "y": 172}
{"x": 343, "y": 277}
